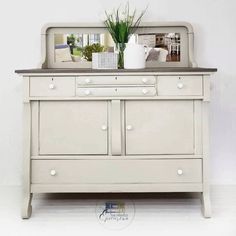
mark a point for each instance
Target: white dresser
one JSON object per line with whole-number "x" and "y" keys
{"x": 116, "y": 131}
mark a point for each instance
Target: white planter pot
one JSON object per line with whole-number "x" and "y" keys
{"x": 134, "y": 56}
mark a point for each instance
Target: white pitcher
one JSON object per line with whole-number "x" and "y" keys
{"x": 134, "y": 56}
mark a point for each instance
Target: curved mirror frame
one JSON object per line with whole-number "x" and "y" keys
{"x": 172, "y": 41}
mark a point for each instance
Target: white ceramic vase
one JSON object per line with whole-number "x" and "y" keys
{"x": 134, "y": 56}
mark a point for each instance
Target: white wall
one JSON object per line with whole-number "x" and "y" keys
{"x": 215, "y": 46}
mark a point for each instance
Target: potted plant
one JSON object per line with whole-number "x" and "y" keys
{"x": 121, "y": 25}
{"x": 90, "y": 49}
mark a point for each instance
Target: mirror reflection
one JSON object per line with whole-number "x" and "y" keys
{"x": 161, "y": 47}
{"x": 79, "y": 47}
{"x": 76, "y": 47}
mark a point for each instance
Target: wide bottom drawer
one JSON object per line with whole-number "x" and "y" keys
{"x": 116, "y": 171}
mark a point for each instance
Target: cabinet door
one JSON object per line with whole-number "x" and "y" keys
{"x": 159, "y": 127}
{"x": 73, "y": 127}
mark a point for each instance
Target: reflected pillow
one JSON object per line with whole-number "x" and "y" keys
{"x": 153, "y": 55}
{"x": 62, "y": 53}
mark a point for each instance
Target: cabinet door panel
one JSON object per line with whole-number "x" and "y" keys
{"x": 159, "y": 127}
{"x": 73, "y": 127}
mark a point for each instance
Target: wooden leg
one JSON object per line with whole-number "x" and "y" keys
{"x": 27, "y": 195}
{"x": 26, "y": 206}
{"x": 206, "y": 204}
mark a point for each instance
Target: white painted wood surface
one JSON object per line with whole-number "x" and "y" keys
{"x": 73, "y": 127}
{"x": 117, "y": 188}
{"x": 52, "y": 86}
{"x": 159, "y": 127}
{"x": 26, "y": 209}
{"x": 116, "y": 91}
{"x": 116, "y": 131}
{"x": 116, "y": 143}
{"x": 115, "y": 80}
{"x": 179, "y": 85}
{"x": 116, "y": 171}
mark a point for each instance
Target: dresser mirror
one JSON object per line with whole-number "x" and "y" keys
{"x": 71, "y": 46}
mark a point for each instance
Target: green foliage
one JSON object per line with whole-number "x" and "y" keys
{"x": 122, "y": 25}
{"x": 71, "y": 39}
{"x": 78, "y": 51}
{"x": 89, "y": 49}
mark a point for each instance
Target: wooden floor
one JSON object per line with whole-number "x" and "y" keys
{"x": 155, "y": 214}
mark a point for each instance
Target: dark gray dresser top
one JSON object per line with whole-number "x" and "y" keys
{"x": 89, "y": 70}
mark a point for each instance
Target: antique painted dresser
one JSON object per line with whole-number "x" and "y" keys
{"x": 116, "y": 130}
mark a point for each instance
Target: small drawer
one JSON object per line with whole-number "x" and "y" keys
{"x": 179, "y": 85}
{"x": 52, "y": 86}
{"x": 115, "y": 80}
{"x": 110, "y": 171}
{"x": 116, "y": 91}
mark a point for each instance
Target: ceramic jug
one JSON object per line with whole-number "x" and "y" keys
{"x": 134, "y": 56}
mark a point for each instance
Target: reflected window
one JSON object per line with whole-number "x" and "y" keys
{"x": 75, "y": 47}
{"x": 94, "y": 38}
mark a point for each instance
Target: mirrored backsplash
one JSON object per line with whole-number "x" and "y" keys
{"x": 76, "y": 47}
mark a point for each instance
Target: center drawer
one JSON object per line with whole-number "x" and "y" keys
{"x": 115, "y": 80}
{"x": 116, "y": 91}
{"x": 116, "y": 171}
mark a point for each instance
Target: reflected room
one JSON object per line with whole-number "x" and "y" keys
{"x": 75, "y": 47}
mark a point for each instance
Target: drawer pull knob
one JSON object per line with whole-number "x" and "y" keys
{"x": 53, "y": 172}
{"x": 180, "y": 85}
{"x": 51, "y": 86}
{"x": 87, "y": 92}
{"x": 145, "y": 91}
{"x": 88, "y": 81}
{"x": 179, "y": 172}
{"x": 144, "y": 80}
{"x": 129, "y": 127}
{"x": 104, "y": 127}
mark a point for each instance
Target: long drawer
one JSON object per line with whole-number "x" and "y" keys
{"x": 115, "y": 80}
{"x": 116, "y": 91}
{"x": 116, "y": 171}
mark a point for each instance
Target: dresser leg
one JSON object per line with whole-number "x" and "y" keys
{"x": 206, "y": 204}
{"x": 26, "y": 187}
{"x": 26, "y": 206}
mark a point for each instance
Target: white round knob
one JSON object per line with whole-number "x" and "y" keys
{"x": 104, "y": 127}
{"x": 129, "y": 127}
{"x": 180, "y": 85}
{"x": 51, "y": 86}
{"x": 145, "y": 91}
{"x": 144, "y": 80}
{"x": 87, "y": 81}
{"x": 87, "y": 92}
{"x": 53, "y": 172}
{"x": 179, "y": 172}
